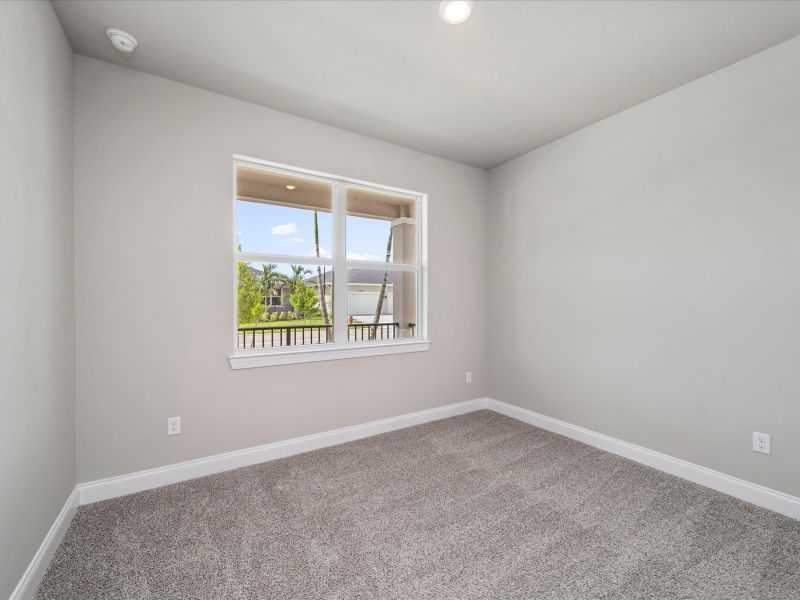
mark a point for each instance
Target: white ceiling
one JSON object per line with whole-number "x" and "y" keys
{"x": 515, "y": 76}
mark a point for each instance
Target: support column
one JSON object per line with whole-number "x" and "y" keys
{"x": 404, "y": 287}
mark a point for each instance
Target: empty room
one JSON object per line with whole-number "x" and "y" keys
{"x": 400, "y": 300}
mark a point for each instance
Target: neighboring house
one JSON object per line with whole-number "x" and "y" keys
{"x": 280, "y": 301}
{"x": 363, "y": 290}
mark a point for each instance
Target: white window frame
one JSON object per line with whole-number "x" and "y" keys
{"x": 263, "y": 357}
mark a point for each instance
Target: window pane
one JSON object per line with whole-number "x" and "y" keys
{"x": 275, "y": 213}
{"x": 372, "y": 218}
{"x": 381, "y": 304}
{"x": 281, "y": 305}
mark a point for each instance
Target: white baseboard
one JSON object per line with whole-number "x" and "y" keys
{"x": 121, "y": 485}
{"x": 29, "y": 583}
{"x": 144, "y": 480}
{"x": 727, "y": 484}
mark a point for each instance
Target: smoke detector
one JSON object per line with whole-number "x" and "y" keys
{"x": 122, "y": 40}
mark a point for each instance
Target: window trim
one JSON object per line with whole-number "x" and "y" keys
{"x": 242, "y": 358}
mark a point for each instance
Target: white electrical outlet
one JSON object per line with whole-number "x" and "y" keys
{"x": 761, "y": 443}
{"x": 173, "y": 425}
{"x": 468, "y": 378}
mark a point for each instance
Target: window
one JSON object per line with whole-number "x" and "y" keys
{"x": 325, "y": 267}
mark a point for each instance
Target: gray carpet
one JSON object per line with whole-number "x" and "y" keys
{"x": 477, "y": 506}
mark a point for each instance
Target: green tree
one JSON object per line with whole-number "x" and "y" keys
{"x": 248, "y": 293}
{"x": 305, "y": 301}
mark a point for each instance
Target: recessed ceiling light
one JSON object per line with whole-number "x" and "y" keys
{"x": 290, "y": 187}
{"x": 455, "y": 12}
{"x": 122, "y": 40}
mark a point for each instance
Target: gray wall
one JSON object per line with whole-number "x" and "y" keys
{"x": 37, "y": 462}
{"x": 652, "y": 263}
{"x": 153, "y": 221}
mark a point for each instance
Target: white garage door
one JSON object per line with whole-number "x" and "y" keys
{"x": 364, "y": 303}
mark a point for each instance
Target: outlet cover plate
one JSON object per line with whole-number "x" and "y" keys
{"x": 173, "y": 425}
{"x": 762, "y": 443}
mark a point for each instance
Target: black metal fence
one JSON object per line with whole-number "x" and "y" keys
{"x": 368, "y": 331}
{"x": 303, "y": 335}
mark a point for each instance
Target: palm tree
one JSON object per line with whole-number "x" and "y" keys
{"x": 269, "y": 282}
{"x": 299, "y": 273}
{"x": 322, "y": 304}
{"x": 379, "y": 307}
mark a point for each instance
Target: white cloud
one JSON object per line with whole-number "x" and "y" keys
{"x": 284, "y": 229}
{"x": 359, "y": 256}
{"x": 322, "y": 252}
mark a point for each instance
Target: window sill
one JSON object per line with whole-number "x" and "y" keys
{"x": 247, "y": 360}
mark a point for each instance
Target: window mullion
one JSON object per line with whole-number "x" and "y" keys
{"x": 262, "y": 257}
{"x": 381, "y": 266}
{"x": 339, "y": 264}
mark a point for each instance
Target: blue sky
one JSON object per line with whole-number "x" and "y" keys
{"x": 286, "y": 230}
